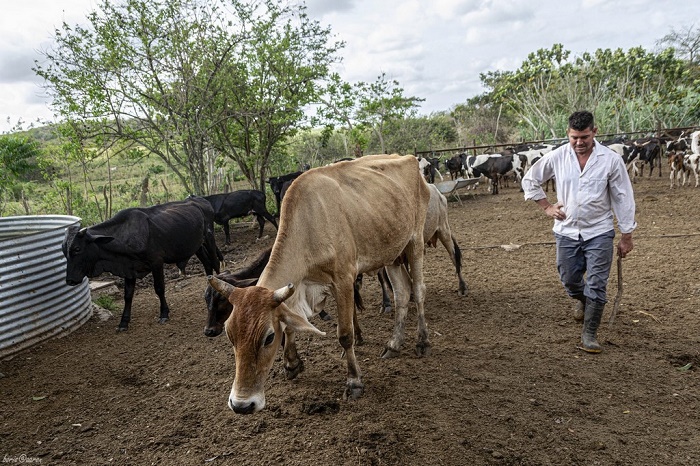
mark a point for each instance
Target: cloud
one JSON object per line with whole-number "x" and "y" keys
{"x": 319, "y": 8}
{"x": 16, "y": 66}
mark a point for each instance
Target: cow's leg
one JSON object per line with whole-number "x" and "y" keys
{"x": 261, "y": 223}
{"x": 293, "y": 364}
{"x": 129, "y": 287}
{"x": 414, "y": 252}
{"x": 227, "y": 232}
{"x": 343, "y": 292}
{"x": 386, "y": 299}
{"x": 400, "y": 282}
{"x": 159, "y": 286}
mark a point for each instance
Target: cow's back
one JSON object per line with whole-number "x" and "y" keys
{"x": 172, "y": 231}
{"x": 365, "y": 211}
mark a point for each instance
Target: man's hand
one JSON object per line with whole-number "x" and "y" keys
{"x": 555, "y": 211}
{"x": 625, "y": 245}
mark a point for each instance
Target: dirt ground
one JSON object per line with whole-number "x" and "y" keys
{"x": 504, "y": 384}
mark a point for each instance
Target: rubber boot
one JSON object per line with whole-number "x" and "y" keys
{"x": 579, "y": 307}
{"x": 591, "y": 321}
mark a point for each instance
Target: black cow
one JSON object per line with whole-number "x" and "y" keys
{"x": 138, "y": 241}
{"x": 218, "y": 307}
{"x": 456, "y": 165}
{"x": 277, "y": 185}
{"x": 238, "y": 204}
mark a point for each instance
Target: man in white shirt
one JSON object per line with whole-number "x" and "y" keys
{"x": 592, "y": 183}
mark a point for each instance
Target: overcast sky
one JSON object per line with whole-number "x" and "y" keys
{"x": 434, "y": 48}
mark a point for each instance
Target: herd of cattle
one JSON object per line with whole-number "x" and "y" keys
{"x": 331, "y": 231}
{"x": 681, "y": 149}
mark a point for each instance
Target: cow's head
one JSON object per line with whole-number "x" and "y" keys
{"x": 258, "y": 318}
{"x": 218, "y": 307}
{"x": 81, "y": 250}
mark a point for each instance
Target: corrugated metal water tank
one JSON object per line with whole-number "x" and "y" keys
{"x": 35, "y": 302}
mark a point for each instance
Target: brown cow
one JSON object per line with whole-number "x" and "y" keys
{"x": 336, "y": 222}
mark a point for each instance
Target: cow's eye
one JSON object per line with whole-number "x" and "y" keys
{"x": 269, "y": 339}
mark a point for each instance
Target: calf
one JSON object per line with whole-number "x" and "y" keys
{"x": 692, "y": 161}
{"x": 648, "y": 151}
{"x": 238, "y": 204}
{"x": 138, "y": 241}
{"x": 679, "y": 168}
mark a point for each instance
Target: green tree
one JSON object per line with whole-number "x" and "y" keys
{"x": 626, "y": 90}
{"x": 188, "y": 80}
{"x": 339, "y": 110}
{"x": 381, "y": 102}
{"x": 360, "y": 107}
{"x": 18, "y": 157}
{"x": 279, "y": 72}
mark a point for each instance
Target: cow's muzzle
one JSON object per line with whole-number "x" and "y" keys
{"x": 214, "y": 331}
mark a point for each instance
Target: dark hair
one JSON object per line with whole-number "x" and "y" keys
{"x": 581, "y": 121}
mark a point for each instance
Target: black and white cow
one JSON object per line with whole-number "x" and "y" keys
{"x": 430, "y": 167}
{"x": 138, "y": 241}
{"x": 496, "y": 166}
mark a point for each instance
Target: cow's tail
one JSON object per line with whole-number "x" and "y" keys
{"x": 458, "y": 256}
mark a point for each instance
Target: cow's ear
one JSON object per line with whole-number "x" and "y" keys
{"x": 295, "y": 321}
{"x": 245, "y": 283}
{"x": 102, "y": 239}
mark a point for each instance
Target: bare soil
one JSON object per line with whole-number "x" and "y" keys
{"x": 504, "y": 384}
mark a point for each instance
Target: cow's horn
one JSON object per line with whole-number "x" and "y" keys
{"x": 221, "y": 286}
{"x": 283, "y": 293}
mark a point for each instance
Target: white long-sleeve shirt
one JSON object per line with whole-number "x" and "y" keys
{"x": 589, "y": 196}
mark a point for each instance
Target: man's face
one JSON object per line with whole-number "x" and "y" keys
{"x": 582, "y": 141}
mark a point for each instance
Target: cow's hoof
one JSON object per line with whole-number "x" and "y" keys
{"x": 389, "y": 353}
{"x": 122, "y": 329}
{"x": 292, "y": 372}
{"x": 462, "y": 290}
{"x": 387, "y": 309}
{"x": 325, "y": 316}
{"x": 353, "y": 392}
{"x": 422, "y": 349}
{"x": 163, "y": 320}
